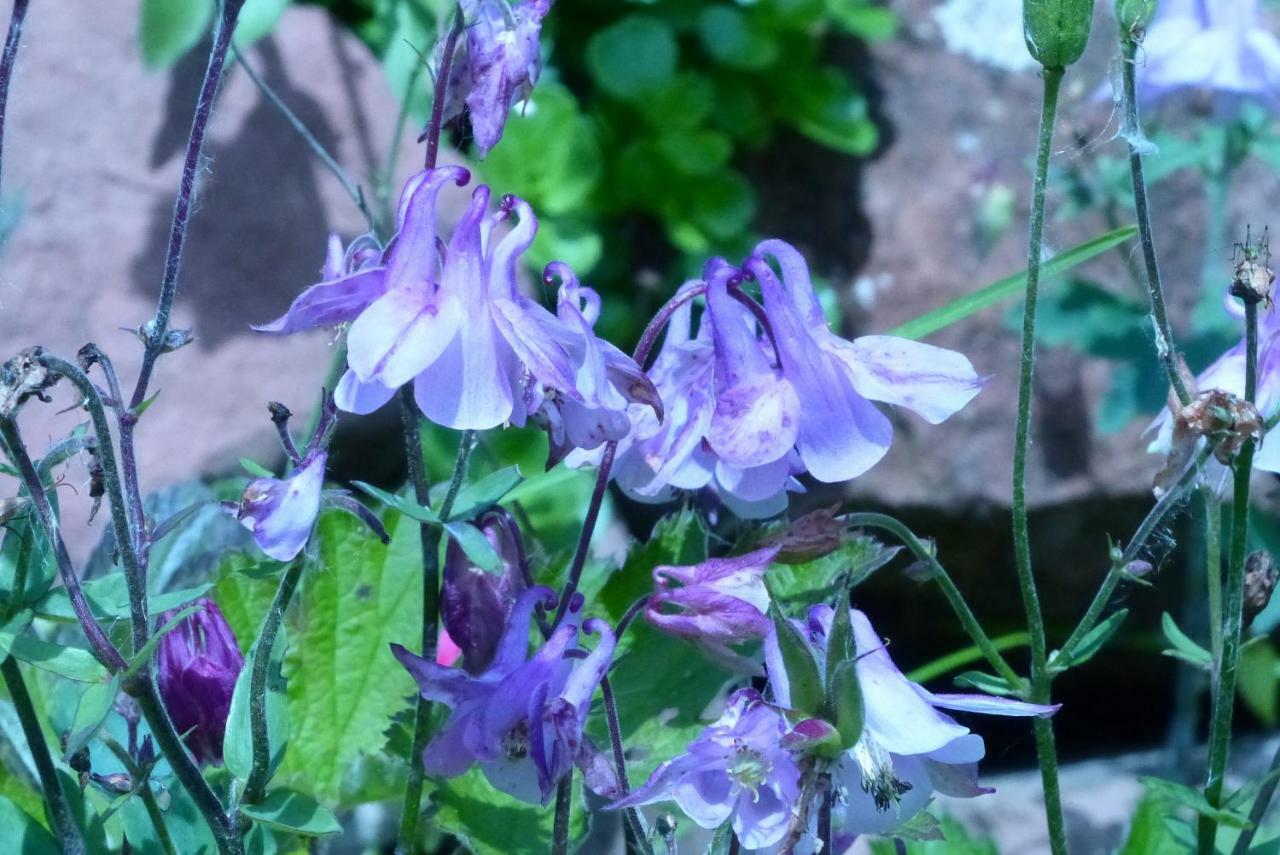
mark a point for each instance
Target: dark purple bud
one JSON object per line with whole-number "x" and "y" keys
{"x": 475, "y": 604}
{"x": 199, "y": 662}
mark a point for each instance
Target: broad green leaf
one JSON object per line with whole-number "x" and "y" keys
{"x": 1149, "y": 832}
{"x": 24, "y": 546}
{"x": 492, "y": 823}
{"x": 237, "y": 742}
{"x": 243, "y": 595}
{"x": 633, "y": 56}
{"x": 480, "y": 495}
{"x": 1183, "y": 647}
{"x": 989, "y": 683}
{"x": 729, "y": 35}
{"x": 828, "y": 110}
{"x": 294, "y": 812}
{"x": 864, "y": 18}
{"x": 74, "y": 663}
{"x": 170, "y": 28}
{"x": 1092, "y": 641}
{"x": 1259, "y": 674}
{"x": 95, "y": 704}
{"x": 677, "y": 539}
{"x": 1010, "y": 286}
{"x": 797, "y": 586}
{"x": 257, "y": 19}
{"x": 479, "y": 550}
{"x": 408, "y": 507}
{"x": 23, "y": 795}
{"x": 22, "y": 834}
{"x": 356, "y": 598}
{"x": 1184, "y": 796}
{"x": 799, "y": 664}
{"x": 12, "y": 630}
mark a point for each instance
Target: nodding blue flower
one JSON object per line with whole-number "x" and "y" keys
{"x": 1217, "y": 45}
{"x": 716, "y": 603}
{"x": 760, "y": 395}
{"x": 497, "y": 66}
{"x": 738, "y": 770}
{"x": 908, "y": 749}
{"x": 198, "y": 662}
{"x": 521, "y": 719}
{"x": 281, "y": 513}
{"x": 451, "y": 320}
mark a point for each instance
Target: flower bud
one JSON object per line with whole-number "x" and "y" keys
{"x": 1056, "y": 30}
{"x": 199, "y": 662}
{"x": 720, "y": 601}
{"x": 475, "y": 604}
{"x": 1134, "y": 16}
{"x": 1260, "y": 576}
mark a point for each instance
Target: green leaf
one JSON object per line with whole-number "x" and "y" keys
{"x": 12, "y": 630}
{"x": 798, "y": 585}
{"x": 23, "y": 795}
{"x": 1092, "y": 641}
{"x": 949, "y": 837}
{"x": 863, "y": 19}
{"x": 989, "y": 683}
{"x": 25, "y": 547}
{"x": 405, "y": 506}
{"x": 633, "y": 56}
{"x": 237, "y": 741}
{"x": 293, "y": 812}
{"x": 845, "y": 697}
{"x": 799, "y": 664}
{"x": 677, "y": 539}
{"x": 108, "y": 597}
{"x": 1259, "y": 674}
{"x": 257, "y": 19}
{"x": 492, "y": 823}
{"x": 1010, "y": 286}
{"x": 143, "y": 656}
{"x": 828, "y": 110}
{"x": 729, "y": 36}
{"x": 479, "y": 550}
{"x": 255, "y": 469}
{"x": 1149, "y": 832}
{"x": 1184, "y": 796}
{"x": 74, "y": 663}
{"x": 481, "y": 495}
{"x": 95, "y": 704}
{"x": 841, "y": 646}
{"x": 344, "y": 686}
{"x": 22, "y": 834}
{"x": 170, "y": 28}
{"x": 1183, "y": 647}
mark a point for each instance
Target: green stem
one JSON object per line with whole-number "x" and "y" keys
{"x": 1040, "y": 677}
{"x": 1155, "y": 288}
{"x": 560, "y": 829}
{"x": 1212, "y": 515}
{"x": 260, "y": 771}
{"x": 1224, "y": 692}
{"x": 157, "y": 819}
{"x": 60, "y": 816}
{"x": 949, "y": 589}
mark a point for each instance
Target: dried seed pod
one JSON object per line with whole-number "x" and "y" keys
{"x": 1260, "y": 575}
{"x": 23, "y": 377}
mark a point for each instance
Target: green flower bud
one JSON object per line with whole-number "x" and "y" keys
{"x": 1135, "y": 15}
{"x": 1056, "y": 30}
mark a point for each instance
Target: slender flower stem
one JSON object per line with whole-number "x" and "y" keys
{"x": 1260, "y": 804}
{"x": 142, "y": 788}
{"x": 630, "y": 815}
{"x": 560, "y": 829}
{"x": 1170, "y": 500}
{"x": 632, "y": 612}
{"x": 103, "y": 648}
{"x": 1155, "y": 288}
{"x": 1040, "y": 679}
{"x": 435, "y": 125}
{"x": 1212, "y": 514}
{"x": 7, "y": 60}
{"x": 60, "y": 816}
{"x": 949, "y": 589}
{"x": 259, "y": 774}
{"x": 826, "y": 795}
{"x": 158, "y": 327}
{"x": 1225, "y": 687}
{"x": 353, "y": 189}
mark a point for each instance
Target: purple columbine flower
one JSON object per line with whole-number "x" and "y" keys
{"x": 198, "y": 663}
{"x": 1218, "y": 45}
{"x": 717, "y": 603}
{"x": 751, "y": 404}
{"x": 737, "y": 769}
{"x": 521, "y": 719}
{"x": 474, "y": 604}
{"x": 497, "y": 66}
{"x": 281, "y": 513}
{"x": 908, "y": 749}
{"x": 454, "y": 323}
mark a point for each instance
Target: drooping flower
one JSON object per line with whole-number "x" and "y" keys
{"x": 454, "y": 323}
{"x": 521, "y": 719}
{"x": 1217, "y": 45}
{"x": 720, "y": 602}
{"x": 197, "y": 666}
{"x": 497, "y": 66}
{"x": 281, "y": 513}
{"x": 758, "y": 397}
{"x": 908, "y": 749}
{"x": 736, "y": 769}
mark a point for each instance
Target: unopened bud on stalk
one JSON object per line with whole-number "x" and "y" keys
{"x": 1134, "y": 16}
{"x": 1056, "y": 30}
{"x": 1260, "y": 575}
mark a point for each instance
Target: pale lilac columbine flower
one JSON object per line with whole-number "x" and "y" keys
{"x": 497, "y": 66}
{"x": 908, "y": 749}
{"x": 1218, "y": 45}
{"x": 478, "y": 352}
{"x": 736, "y": 769}
{"x": 521, "y": 719}
{"x": 720, "y": 602}
{"x": 1227, "y": 373}
{"x": 281, "y": 513}
{"x": 751, "y": 408}
{"x": 197, "y": 665}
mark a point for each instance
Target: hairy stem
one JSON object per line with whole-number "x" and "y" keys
{"x": 259, "y": 774}
{"x": 61, "y": 819}
{"x": 1224, "y": 690}
{"x": 1040, "y": 679}
{"x": 560, "y": 829}
{"x": 7, "y": 60}
{"x": 1212, "y": 514}
{"x": 630, "y": 815}
{"x": 1155, "y": 288}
